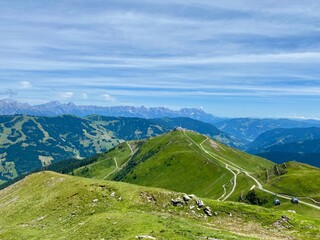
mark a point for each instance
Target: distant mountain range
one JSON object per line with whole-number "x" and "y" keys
{"x": 55, "y": 108}
{"x": 247, "y": 130}
{"x": 244, "y": 129}
{"x": 280, "y": 145}
{"x": 241, "y": 133}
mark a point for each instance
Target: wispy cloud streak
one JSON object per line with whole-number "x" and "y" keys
{"x": 108, "y": 52}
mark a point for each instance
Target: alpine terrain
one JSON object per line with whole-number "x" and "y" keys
{"x": 29, "y": 142}
{"x": 186, "y": 161}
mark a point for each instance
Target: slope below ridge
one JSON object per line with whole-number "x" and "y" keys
{"x": 171, "y": 162}
{"x": 77, "y": 208}
{"x": 241, "y": 159}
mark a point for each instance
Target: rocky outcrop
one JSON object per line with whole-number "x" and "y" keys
{"x": 177, "y": 202}
{"x": 207, "y": 211}
{"x": 195, "y": 205}
{"x": 199, "y": 203}
{"x": 186, "y": 198}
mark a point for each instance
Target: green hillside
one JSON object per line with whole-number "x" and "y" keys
{"x": 66, "y": 207}
{"x": 224, "y": 153}
{"x": 28, "y": 143}
{"x": 168, "y": 161}
{"x": 189, "y": 162}
{"x": 173, "y": 161}
{"x": 107, "y": 163}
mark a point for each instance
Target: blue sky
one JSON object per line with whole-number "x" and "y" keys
{"x": 231, "y": 58}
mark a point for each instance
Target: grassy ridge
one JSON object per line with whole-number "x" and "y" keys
{"x": 177, "y": 162}
{"x": 67, "y": 207}
{"x": 169, "y": 161}
{"x": 173, "y": 161}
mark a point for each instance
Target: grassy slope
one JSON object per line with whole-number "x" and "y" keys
{"x": 105, "y": 165}
{"x": 63, "y": 208}
{"x": 172, "y": 161}
{"x": 299, "y": 180}
{"x": 251, "y": 163}
{"x": 287, "y": 205}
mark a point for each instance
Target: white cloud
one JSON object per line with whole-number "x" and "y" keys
{"x": 244, "y": 91}
{"x": 25, "y": 84}
{"x": 67, "y": 95}
{"x": 84, "y": 96}
{"x": 108, "y": 98}
{"x": 302, "y": 117}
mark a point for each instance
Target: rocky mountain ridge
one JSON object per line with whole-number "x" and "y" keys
{"x": 55, "y": 108}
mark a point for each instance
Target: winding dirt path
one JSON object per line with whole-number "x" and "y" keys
{"x": 116, "y": 163}
{"x": 223, "y": 197}
{"x": 116, "y": 169}
{"x": 130, "y": 148}
{"x": 239, "y": 169}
